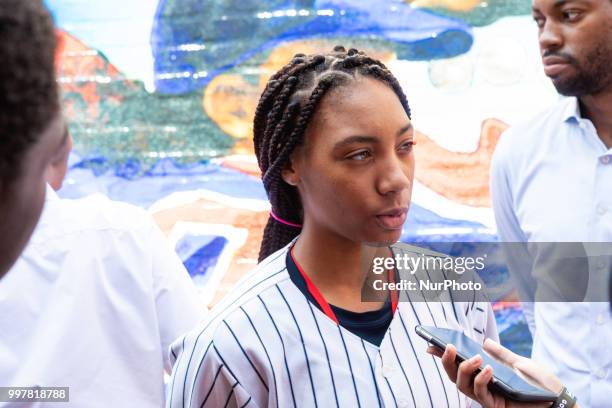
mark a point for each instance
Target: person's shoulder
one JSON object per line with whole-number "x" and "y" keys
{"x": 526, "y": 135}
{"x": 95, "y": 214}
{"x": 435, "y": 266}
{"x": 266, "y": 274}
{"x": 99, "y": 211}
{"x": 410, "y": 249}
{"x": 244, "y": 296}
{"x": 232, "y": 319}
{"x": 551, "y": 117}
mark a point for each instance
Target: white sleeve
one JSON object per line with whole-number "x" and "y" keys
{"x": 176, "y": 300}
{"x": 518, "y": 259}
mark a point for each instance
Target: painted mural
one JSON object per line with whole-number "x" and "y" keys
{"x": 160, "y": 96}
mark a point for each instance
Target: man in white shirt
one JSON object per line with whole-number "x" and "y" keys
{"x": 93, "y": 304}
{"x": 32, "y": 130}
{"x": 551, "y": 181}
{"x": 98, "y": 295}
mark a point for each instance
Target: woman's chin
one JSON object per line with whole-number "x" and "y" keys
{"x": 385, "y": 239}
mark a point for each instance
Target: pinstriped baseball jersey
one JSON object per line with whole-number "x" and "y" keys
{"x": 266, "y": 345}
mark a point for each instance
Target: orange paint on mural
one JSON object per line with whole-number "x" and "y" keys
{"x": 461, "y": 177}
{"x": 231, "y": 101}
{"x": 78, "y": 67}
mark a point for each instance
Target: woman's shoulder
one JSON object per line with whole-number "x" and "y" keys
{"x": 439, "y": 267}
{"x": 264, "y": 276}
{"x": 450, "y": 280}
{"x": 267, "y": 273}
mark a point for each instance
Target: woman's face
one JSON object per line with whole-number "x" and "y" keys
{"x": 355, "y": 170}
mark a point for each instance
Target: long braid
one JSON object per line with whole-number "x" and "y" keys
{"x": 285, "y": 109}
{"x": 296, "y": 137}
{"x": 268, "y": 97}
{"x": 266, "y": 100}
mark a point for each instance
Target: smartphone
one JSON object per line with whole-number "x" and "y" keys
{"x": 505, "y": 381}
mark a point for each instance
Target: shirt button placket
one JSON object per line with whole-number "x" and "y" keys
{"x": 389, "y": 370}
{"x": 601, "y": 210}
{"x": 403, "y": 402}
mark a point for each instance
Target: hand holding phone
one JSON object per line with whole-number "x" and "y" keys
{"x": 491, "y": 378}
{"x": 526, "y": 367}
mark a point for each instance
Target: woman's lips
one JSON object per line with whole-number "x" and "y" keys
{"x": 392, "y": 220}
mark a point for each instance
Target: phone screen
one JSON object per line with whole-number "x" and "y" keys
{"x": 505, "y": 380}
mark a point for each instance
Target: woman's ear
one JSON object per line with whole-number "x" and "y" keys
{"x": 291, "y": 172}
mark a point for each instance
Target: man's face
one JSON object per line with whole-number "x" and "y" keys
{"x": 22, "y": 198}
{"x": 575, "y": 39}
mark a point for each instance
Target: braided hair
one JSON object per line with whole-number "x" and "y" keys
{"x": 283, "y": 113}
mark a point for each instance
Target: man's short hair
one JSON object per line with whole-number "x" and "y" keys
{"x": 29, "y": 97}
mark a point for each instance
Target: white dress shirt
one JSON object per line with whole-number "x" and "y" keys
{"x": 93, "y": 304}
{"x": 551, "y": 181}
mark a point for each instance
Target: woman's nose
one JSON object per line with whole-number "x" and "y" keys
{"x": 395, "y": 175}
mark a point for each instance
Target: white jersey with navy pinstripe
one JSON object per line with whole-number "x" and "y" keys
{"x": 266, "y": 345}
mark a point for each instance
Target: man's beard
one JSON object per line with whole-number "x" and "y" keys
{"x": 592, "y": 77}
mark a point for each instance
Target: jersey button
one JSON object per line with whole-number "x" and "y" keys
{"x": 403, "y": 403}
{"x": 601, "y": 210}
{"x": 601, "y": 374}
{"x": 389, "y": 370}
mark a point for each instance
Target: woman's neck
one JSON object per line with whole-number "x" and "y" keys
{"x": 337, "y": 267}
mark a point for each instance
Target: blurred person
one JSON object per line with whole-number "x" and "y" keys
{"x": 32, "y": 130}
{"x": 551, "y": 181}
{"x": 98, "y": 295}
{"x": 94, "y": 302}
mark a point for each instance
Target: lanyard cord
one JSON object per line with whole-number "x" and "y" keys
{"x": 323, "y": 304}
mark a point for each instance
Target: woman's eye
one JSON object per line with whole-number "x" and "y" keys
{"x": 360, "y": 156}
{"x": 406, "y": 146}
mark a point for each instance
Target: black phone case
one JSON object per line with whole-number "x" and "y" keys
{"x": 496, "y": 385}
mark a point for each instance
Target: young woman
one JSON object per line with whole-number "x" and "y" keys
{"x": 333, "y": 137}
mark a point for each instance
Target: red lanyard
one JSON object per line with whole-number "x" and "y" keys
{"x": 318, "y": 297}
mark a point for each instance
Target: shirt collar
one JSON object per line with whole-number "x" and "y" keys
{"x": 572, "y": 110}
